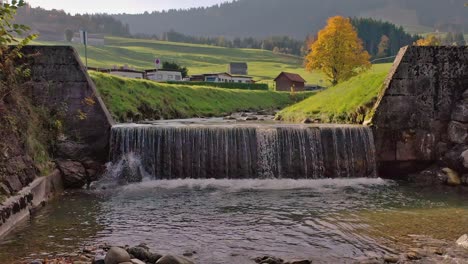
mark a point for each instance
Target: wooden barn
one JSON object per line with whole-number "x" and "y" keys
{"x": 285, "y": 81}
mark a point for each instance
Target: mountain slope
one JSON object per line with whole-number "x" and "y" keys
{"x": 296, "y": 18}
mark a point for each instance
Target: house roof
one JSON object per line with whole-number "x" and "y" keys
{"x": 161, "y": 70}
{"x": 238, "y": 64}
{"x": 292, "y": 77}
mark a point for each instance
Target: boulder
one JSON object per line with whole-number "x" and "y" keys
{"x": 72, "y": 150}
{"x": 169, "y": 259}
{"x": 460, "y": 113}
{"x": 454, "y": 158}
{"x": 73, "y": 174}
{"x": 458, "y": 132}
{"x": 117, "y": 255}
{"x": 304, "y": 261}
{"x": 251, "y": 118}
{"x": 464, "y": 158}
{"x": 13, "y": 183}
{"x": 453, "y": 179}
{"x": 268, "y": 260}
{"x": 140, "y": 253}
{"x": 307, "y": 121}
{"x": 137, "y": 261}
{"x": 463, "y": 241}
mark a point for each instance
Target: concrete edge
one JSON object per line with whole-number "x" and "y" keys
{"x": 91, "y": 84}
{"x": 16, "y": 209}
{"x": 388, "y": 80}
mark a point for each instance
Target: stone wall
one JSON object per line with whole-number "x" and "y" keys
{"x": 61, "y": 83}
{"x": 421, "y": 117}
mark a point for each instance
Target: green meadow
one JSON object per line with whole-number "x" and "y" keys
{"x": 140, "y": 54}
{"x": 134, "y": 100}
{"x": 347, "y": 102}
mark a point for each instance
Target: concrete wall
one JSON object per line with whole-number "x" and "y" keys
{"x": 18, "y": 208}
{"x": 61, "y": 83}
{"x": 414, "y": 117}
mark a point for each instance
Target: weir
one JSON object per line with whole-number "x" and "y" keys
{"x": 247, "y": 151}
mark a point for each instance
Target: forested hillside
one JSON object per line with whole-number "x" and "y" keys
{"x": 296, "y": 18}
{"x": 52, "y": 24}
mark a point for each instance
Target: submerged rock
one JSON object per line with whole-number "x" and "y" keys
{"x": 116, "y": 255}
{"x": 463, "y": 241}
{"x": 170, "y": 259}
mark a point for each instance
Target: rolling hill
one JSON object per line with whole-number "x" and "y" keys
{"x": 263, "y": 65}
{"x": 296, "y": 18}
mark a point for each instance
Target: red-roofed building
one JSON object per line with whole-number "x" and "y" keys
{"x": 286, "y": 80}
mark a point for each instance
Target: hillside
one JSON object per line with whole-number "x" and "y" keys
{"x": 263, "y": 65}
{"x": 295, "y": 18}
{"x": 348, "y": 102}
{"x": 132, "y": 100}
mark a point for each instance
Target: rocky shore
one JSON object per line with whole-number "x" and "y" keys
{"x": 425, "y": 250}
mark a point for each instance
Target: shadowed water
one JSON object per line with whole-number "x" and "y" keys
{"x": 231, "y": 221}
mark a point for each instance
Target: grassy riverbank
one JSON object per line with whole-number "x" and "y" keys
{"x": 131, "y": 99}
{"x": 348, "y": 102}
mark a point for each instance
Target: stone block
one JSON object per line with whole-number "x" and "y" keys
{"x": 460, "y": 112}
{"x": 458, "y": 132}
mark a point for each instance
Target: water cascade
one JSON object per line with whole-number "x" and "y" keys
{"x": 247, "y": 151}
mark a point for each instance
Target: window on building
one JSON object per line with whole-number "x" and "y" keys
{"x": 177, "y": 77}
{"x": 170, "y": 77}
{"x": 240, "y": 81}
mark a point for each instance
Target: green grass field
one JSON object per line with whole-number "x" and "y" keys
{"x": 348, "y": 102}
{"x": 263, "y": 65}
{"x": 134, "y": 100}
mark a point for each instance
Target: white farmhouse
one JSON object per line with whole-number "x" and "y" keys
{"x": 164, "y": 75}
{"x": 226, "y": 78}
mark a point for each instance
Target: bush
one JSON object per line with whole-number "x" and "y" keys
{"x": 240, "y": 86}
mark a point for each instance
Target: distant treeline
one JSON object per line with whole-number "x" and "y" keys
{"x": 382, "y": 39}
{"x": 277, "y": 44}
{"x": 53, "y": 24}
{"x": 296, "y": 18}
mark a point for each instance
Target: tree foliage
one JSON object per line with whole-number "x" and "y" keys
{"x": 430, "y": 40}
{"x": 10, "y": 33}
{"x": 376, "y": 33}
{"x": 172, "y": 66}
{"x": 338, "y": 51}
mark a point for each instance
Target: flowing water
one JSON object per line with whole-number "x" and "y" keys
{"x": 234, "y": 192}
{"x": 247, "y": 151}
{"x": 231, "y": 221}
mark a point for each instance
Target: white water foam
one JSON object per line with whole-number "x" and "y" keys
{"x": 259, "y": 184}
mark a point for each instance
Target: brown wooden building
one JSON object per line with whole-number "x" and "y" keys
{"x": 286, "y": 80}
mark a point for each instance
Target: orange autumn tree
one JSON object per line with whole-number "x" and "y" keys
{"x": 338, "y": 51}
{"x": 430, "y": 40}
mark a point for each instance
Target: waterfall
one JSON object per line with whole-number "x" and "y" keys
{"x": 247, "y": 152}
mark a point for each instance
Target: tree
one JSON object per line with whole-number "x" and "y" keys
{"x": 449, "y": 40}
{"x": 9, "y": 71}
{"x": 459, "y": 39}
{"x": 430, "y": 40}
{"x": 383, "y": 46}
{"x": 338, "y": 51}
{"x": 175, "y": 67}
{"x": 69, "y": 35}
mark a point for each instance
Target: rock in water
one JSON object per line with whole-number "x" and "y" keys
{"x": 169, "y": 259}
{"x": 463, "y": 241}
{"x": 307, "y": 121}
{"x": 74, "y": 174}
{"x": 139, "y": 253}
{"x": 116, "y": 255}
{"x": 453, "y": 178}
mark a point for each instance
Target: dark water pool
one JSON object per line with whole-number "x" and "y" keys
{"x": 231, "y": 221}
